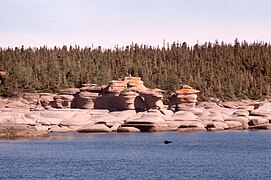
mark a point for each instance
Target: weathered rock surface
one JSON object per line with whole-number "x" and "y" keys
{"x": 94, "y": 128}
{"x": 84, "y": 100}
{"x": 11, "y": 130}
{"x": 137, "y": 109}
{"x": 148, "y": 122}
{"x": 128, "y": 129}
{"x": 183, "y": 99}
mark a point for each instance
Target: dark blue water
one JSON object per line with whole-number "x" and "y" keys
{"x": 204, "y": 155}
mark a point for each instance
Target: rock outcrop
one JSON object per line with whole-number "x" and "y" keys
{"x": 183, "y": 99}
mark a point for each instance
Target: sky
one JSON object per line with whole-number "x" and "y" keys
{"x": 111, "y": 23}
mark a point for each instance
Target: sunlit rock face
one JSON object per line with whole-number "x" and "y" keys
{"x": 153, "y": 98}
{"x": 84, "y": 100}
{"x": 126, "y": 94}
{"x": 183, "y": 99}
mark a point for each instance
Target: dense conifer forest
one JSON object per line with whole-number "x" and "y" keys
{"x": 221, "y": 70}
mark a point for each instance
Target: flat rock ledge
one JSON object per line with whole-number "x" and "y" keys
{"x": 14, "y": 131}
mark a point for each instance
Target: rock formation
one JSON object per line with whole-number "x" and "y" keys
{"x": 127, "y": 94}
{"x": 183, "y": 99}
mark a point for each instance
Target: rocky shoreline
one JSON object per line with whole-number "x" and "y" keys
{"x": 126, "y": 106}
{"x": 17, "y": 120}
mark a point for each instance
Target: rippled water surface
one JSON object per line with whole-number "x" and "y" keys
{"x": 204, "y": 155}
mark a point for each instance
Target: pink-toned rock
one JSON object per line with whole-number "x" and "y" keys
{"x": 115, "y": 127}
{"x": 231, "y": 104}
{"x": 261, "y": 126}
{"x": 129, "y": 98}
{"x": 257, "y": 120}
{"x": 63, "y": 101}
{"x": 111, "y": 102}
{"x": 45, "y": 100}
{"x": 153, "y": 98}
{"x": 234, "y": 125}
{"x": 128, "y": 129}
{"x": 93, "y": 128}
{"x": 183, "y": 116}
{"x": 69, "y": 91}
{"x": 183, "y": 99}
{"x": 241, "y": 113}
{"x": 148, "y": 122}
{"x": 91, "y": 88}
{"x": 191, "y": 126}
{"x": 106, "y": 119}
{"x": 60, "y": 114}
{"x": 216, "y": 126}
{"x": 79, "y": 119}
{"x": 243, "y": 120}
{"x": 84, "y": 100}
{"x": 167, "y": 112}
{"x": 123, "y": 115}
{"x": 62, "y": 129}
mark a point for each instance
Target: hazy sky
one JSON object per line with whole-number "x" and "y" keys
{"x": 107, "y": 23}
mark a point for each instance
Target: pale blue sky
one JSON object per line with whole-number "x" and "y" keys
{"x": 107, "y": 23}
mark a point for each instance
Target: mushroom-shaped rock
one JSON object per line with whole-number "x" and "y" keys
{"x": 153, "y": 98}
{"x": 62, "y": 101}
{"x": 129, "y": 99}
{"x": 148, "y": 122}
{"x": 84, "y": 100}
{"x": 184, "y": 99}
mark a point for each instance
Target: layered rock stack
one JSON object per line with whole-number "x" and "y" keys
{"x": 65, "y": 98}
{"x": 127, "y": 94}
{"x": 153, "y": 98}
{"x": 134, "y": 82}
{"x": 184, "y": 99}
{"x": 129, "y": 99}
{"x": 63, "y": 101}
{"x": 85, "y": 100}
{"x": 44, "y": 101}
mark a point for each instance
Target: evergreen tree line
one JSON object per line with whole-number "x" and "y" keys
{"x": 221, "y": 70}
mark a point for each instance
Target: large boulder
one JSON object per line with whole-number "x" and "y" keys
{"x": 243, "y": 120}
{"x": 183, "y": 116}
{"x": 234, "y": 125}
{"x": 257, "y": 120}
{"x": 128, "y": 129}
{"x": 191, "y": 126}
{"x": 148, "y": 122}
{"x": 94, "y": 128}
{"x": 216, "y": 126}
